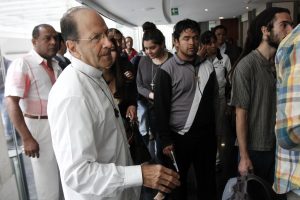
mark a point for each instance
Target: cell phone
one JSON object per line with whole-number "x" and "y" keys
{"x": 172, "y": 156}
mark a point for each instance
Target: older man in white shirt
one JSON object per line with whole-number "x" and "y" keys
{"x": 88, "y": 134}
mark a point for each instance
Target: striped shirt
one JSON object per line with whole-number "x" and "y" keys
{"x": 30, "y": 79}
{"x": 287, "y": 176}
{"x": 254, "y": 90}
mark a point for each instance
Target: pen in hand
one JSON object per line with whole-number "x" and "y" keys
{"x": 172, "y": 156}
{"x": 161, "y": 195}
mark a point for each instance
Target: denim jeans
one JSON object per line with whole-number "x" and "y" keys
{"x": 142, "y": 118}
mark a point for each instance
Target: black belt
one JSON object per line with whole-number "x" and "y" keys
{"x": 35, "y": 116}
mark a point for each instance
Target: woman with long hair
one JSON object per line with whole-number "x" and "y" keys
{"x": 156, "y": 55}
{"x": 123, "y": 88}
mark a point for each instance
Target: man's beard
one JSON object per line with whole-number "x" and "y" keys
{"x": 272, "y": 41}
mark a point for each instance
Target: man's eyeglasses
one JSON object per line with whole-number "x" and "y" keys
{"x": 95, "y": 39}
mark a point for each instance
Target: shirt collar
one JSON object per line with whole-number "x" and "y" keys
{"x": 85, "y": 68}
{"x": 182, "y": 62}
{"x": 61, "y": 57}
{"x": 266, "y": 63}
{"x": 212, "y": 59}
{"x": 39, "y": 59}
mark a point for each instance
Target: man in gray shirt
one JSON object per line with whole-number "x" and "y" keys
{"x": 254, "y": 93}
{"x": 185, "y": 99}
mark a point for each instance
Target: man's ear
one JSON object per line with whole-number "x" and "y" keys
{"x": 264, "y": 30}
{"x": 176, "y": 43}
{"x": 33, "y": 41}
{"x": 72, "y": 46}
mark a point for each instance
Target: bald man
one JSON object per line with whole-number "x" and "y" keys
{"x": 29, "y": 80}
{"x": 88, "y": 134}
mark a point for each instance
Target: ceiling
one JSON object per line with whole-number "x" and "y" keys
{"x": 18, "y": 17}
{"x": 136, "y": 12}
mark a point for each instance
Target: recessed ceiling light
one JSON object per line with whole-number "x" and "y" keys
{"x": 221, "y": 17}
{"x": 247, "y": 8}
{"x": 206, "y": 10}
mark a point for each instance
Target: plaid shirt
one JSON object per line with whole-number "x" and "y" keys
{"x": 287, "y": 174}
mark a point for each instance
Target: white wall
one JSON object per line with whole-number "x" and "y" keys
{"x": 167, "y": 30}
{"x": 137, "y": 33}
{"x": 288, "y": 5}
{"x": 13, "y": 48}
{"x": 260, "y": 9}
{"x": 212, "y": 24}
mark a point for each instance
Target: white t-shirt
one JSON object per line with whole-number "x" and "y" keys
{"x": 221, "y": 66}
{"x": 223, "y": 48}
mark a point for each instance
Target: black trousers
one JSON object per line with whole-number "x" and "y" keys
{"x": 201, "y": 153}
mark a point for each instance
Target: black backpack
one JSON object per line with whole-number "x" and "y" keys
{"x": 250, "y": 187}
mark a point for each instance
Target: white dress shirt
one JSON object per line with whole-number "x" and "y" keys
{"x": 27, "y": 78}
{"x": 89, "y": 141}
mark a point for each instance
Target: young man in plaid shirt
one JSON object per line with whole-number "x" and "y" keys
{"x": 287, "y": 175}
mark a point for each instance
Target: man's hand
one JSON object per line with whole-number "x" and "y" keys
{"x": 151, "y": 95}
{"x": 160, "y": 178}
{"x": 167, "y": 150}
{"x": 202, "y": 51}
{"x": 131, "y": 113}
{"x": 245, "y": 166}
{"x": 31, "y": 147}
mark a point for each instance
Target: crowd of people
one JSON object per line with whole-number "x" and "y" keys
{"x": 73, "y": 114}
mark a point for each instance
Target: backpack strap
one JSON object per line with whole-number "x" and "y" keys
{"x": 240, "y": 189}
{"x": 267, "y": 188}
